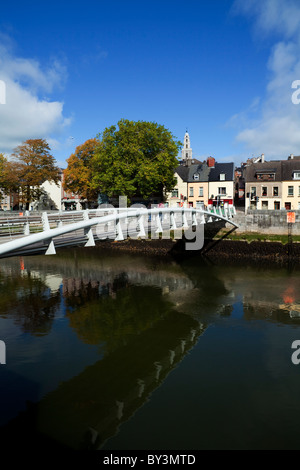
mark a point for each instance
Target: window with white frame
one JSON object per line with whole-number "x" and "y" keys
{"x": 175, "y": 193}
{"x": 201, "y": 191}
{"x": 191, "y": 191}
{"x": 222, "y": 177}
{"x": 196, "y": 176}
{"x": 296, "y": 175}
{"x": 222, "y": 191}
{"x": 290, "y": 190}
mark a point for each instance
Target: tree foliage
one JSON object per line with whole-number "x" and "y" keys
{"x": 32, "y": 165}
{"x": 135, "y": 159}
{"x": 8, "y": 176}
{"x": 3, "y": 172}
{"x": 78, "y": 174}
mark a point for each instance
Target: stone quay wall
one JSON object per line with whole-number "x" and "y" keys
{"x": 266, "y": 222}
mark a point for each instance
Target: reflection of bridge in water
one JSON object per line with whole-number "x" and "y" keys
{"x": 88, "y": 409}
{"x": 100, "y": 272}
{"x": 33, "y": 234}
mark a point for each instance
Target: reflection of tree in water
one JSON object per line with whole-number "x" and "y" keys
{"x": 112, "y": 319}
{"x": 28, "y": 300}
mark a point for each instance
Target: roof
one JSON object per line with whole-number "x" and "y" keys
{"x": 183, "y": 172}
{"x": 288, "y": 168}
{"x": 251, "y": 170}
{"x": 283, "y": 169}
{"x": 187, "y": 173}
{"x": 222, "y": 168}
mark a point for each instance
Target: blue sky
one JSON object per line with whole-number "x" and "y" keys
{"x": 222, "y": 69}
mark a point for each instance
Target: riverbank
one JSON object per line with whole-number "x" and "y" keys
{"x": 228, "y": 249}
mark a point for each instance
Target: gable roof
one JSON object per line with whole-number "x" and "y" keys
{"x": 187, "y": 173}
{"x": 283, "y": 169}
{"x": 222, "y": 168}
{"x": 251, "y": 171}
{"x": 289, "y": 167}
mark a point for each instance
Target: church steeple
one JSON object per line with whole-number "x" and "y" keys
{"x": 186, "y": 152}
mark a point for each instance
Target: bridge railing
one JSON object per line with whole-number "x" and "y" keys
{"x": 23, "y": 231}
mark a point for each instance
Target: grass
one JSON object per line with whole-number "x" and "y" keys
{"x": 255, "y": 236}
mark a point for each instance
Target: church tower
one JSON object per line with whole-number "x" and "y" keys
{"x": 186, "y": 152}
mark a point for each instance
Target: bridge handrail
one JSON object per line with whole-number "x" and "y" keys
{"x": 51, "y": 233}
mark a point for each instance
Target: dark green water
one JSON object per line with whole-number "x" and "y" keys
{"x": 128, "y": 352}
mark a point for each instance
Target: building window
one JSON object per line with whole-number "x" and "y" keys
{"x": 264, "y": 191}
{"x": 288, "y": 206}
{"x": 264, "y": 204}
{"x": 191, "y": 191}
{"x": 196, "y": 176}
{"x": 290, "y": 190}
{"x": 277, "y": 206}
{"x": 186, "y": 155}
{"x": 253, "y": 191}
{"x": 299, "y": 191}
{"x": 265, "y": 176}
{"x": 221, "y": 191}
{"x": 297, "y": 175}
{"x": 175, "y": 193}
{"x": 275, "y": 191}
{"x": 186, "y": 146}
{"x": 201, "y": 191}
{"x": 222, "y": 177}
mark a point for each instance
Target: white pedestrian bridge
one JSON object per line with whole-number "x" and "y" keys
{"x": 29, "y": 233}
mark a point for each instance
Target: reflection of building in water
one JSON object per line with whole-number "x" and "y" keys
{"x": 274, "y": 311}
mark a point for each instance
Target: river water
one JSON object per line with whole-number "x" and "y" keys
{"x": 115, "y": 351}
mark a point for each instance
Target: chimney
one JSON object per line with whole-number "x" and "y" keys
{"x": 211, "y": 162}
{"x": 263, "y": 158}
{"x": 291, "y": 157}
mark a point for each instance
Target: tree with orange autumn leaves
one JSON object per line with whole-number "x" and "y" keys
{"x": 79, "y": 172}
{"x": 31, "y": 164}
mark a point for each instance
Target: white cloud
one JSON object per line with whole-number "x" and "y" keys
{"x": 275, "y": 129}
{"x": 27, "y": 113}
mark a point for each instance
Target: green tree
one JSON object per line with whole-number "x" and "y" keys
{"x": 33, "y": 165}
{"x": 135, "y": 159}
{"x": 78, "y": 174}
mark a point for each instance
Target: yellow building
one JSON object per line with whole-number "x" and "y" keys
{"x": 273, "y": 185}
